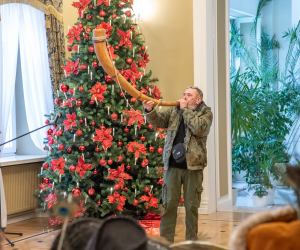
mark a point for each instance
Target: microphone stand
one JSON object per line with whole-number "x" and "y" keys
{"x": 53, "y": 123}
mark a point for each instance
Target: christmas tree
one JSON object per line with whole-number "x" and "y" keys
{"x": 102, "y": 151}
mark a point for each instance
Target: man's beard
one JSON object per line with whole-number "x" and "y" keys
{"x": 192, "y": 106}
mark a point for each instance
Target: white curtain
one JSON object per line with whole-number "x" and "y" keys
{"x": 25, "y": 26}
{"x": 35, "y": 70}
{"x": 9, "y": 29}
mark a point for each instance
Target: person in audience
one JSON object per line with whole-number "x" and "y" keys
{"x": 77, "y": 234}
{"x": 122, "y": 233}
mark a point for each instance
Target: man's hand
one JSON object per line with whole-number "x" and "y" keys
{"x": 148, "y": 105}
{"x": 183, "y": 103}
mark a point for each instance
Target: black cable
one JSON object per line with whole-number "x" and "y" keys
{"x": 53, "y": 123}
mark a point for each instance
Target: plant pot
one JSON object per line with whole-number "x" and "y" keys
{"x": 271, "y": 196}
{"x": 252, "y": 191}
{"x": 234, "y": 196}
{"x": 259, "y": 201}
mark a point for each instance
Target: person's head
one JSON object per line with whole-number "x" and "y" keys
{"x": 78, "y": 234}
{"x": 193, "y": 96}
{"x": 122, "y": 233}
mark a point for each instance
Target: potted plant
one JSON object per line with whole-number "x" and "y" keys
{"x": 260, "y": 196}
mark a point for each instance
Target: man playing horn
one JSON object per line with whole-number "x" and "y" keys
{"x": 188, "y": 127}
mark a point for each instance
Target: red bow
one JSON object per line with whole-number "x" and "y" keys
{"x": 106, "y": 2}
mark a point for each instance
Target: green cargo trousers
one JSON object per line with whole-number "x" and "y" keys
{"x": 171, "y": 193}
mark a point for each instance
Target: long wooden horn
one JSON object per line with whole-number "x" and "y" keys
{"x": 99, "y": 39}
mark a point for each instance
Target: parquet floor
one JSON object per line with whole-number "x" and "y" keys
{"x": 37, "y": 234}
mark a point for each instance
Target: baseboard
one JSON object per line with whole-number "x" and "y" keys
{"x": 45, "y": 214}
{"x": 224, "y": 204}
{"x": 13, "y": 218}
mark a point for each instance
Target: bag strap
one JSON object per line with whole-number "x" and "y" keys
{"x": 184, "y": 140}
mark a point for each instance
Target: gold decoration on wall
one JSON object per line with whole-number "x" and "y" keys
{"x": 48, "y": 10}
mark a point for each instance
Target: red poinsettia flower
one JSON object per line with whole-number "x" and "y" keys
{"x": 119, "y": 174}
{"x": 68, "y": 102}
{"x": 106, "y": 2}
{"x": 181, "y": 200}
{"x": 111, "y": 52}
{"x": 137, "y": 148}
{"x": 104, "y": 136}
{"x": 156, "y": 93}
{"x": 58, "y": 165}
{"x": 71, "y": 67}
{"x": 70, "y": 121}
{"x": 43, "y": 186}
{"x": 125, "y": 39}
{"x": 117, "y": 198}
{"x": 73, "y": 33}
{"x": 128, "y": 1}
{"x": 82, "y": 167}
{"x": 52, "y": 199}
{"x": 142, "y": 62}
{"x": 132, "y": 74}
{"x": 81, "y": 5}
{"x": 78, "y": 210}
{"x": 135, "y": 116}
{"x": 107, "y": 28}
{"x": 150, "y": 200}
{"x": 50, "y": 140}
{"x": 98, "y": 90}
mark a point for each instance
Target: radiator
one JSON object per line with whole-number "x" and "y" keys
{"x": 20, "y": 183}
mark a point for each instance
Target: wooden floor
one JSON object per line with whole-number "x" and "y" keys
{"x": 37, "y": 234}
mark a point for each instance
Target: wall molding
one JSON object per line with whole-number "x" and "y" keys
{"x": 204, "y": 77}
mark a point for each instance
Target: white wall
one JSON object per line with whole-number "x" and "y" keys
{"x": 295, "y": 12}
{"x": 244, "y": 6}
{"x": 277, "y": 17}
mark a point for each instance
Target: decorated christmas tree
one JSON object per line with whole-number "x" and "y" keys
{"x": 102, "y": 151}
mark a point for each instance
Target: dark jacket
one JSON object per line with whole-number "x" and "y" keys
{"x": 198, "y": 123}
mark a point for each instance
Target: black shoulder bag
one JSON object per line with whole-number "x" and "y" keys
{"x": 179, "y": 150}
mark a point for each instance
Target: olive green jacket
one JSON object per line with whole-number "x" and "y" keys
{"x": 198, "y": 124}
